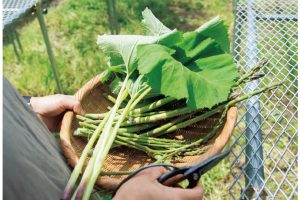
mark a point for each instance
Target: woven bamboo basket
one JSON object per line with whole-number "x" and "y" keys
{"x": 123, "y": 158}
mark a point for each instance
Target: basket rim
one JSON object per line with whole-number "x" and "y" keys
{"x": 111, "y": 183}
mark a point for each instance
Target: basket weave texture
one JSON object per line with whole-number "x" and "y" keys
{"x": 123, "y": 158}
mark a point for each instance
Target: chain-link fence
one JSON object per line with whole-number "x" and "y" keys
{"x": 264, "y": 158}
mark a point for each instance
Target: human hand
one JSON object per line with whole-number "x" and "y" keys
{"x": 51, "y": 109}
{"x": 145, "y": 186}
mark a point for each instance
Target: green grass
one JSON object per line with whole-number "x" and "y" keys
{"x": 216, "y": 182}
{"x": 73, "y": 28}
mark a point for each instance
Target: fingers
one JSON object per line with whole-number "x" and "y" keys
{"x": 154, "y": 173}
{"x": 69, "y": 102}
{"x": 149, "y": 188}
{"x": 78, "y": 108}
{"x": 171, "y": 181}
{"x": 195, "y": 193}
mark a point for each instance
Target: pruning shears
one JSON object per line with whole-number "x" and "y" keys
{"x": 190, "y": 173}
{"x": 193, "y": 173}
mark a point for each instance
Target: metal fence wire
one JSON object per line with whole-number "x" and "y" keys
{"x": 264, "y": 158}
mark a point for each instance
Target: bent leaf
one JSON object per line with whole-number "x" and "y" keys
{"x": 152, "y": 24}
{"x": 216, "y": 29}
{"x": 208, "y": 40}
{"x": 194, "y": 46}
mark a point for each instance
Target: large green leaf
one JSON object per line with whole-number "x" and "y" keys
{"x": 194, "y": 65}
{"x": 207, "y": 84}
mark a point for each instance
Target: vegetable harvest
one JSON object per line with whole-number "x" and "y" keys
{"x": 159, "y": 82}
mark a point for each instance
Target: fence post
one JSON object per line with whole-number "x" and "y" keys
{"x": 40, "y": 17}
{"x": 254, "y": 153}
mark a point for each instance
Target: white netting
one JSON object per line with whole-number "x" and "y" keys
{"x": 13, "y": 9}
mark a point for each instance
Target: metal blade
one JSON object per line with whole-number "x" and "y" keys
{"x": 208, "y": 164}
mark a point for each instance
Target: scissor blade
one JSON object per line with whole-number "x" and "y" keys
{"x": 208, "y": 164}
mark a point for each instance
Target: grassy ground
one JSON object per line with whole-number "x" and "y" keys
{"x": 73, "y": 27}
